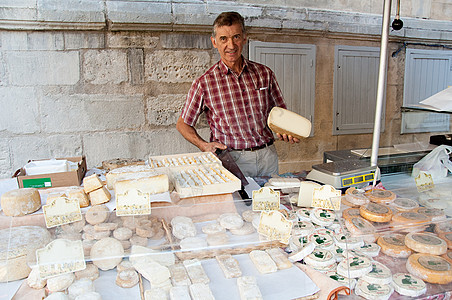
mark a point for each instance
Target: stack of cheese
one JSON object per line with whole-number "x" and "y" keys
{"x": 96, "y": 190}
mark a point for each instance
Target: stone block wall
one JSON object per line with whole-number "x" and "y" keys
{"x": 108, "y": 79}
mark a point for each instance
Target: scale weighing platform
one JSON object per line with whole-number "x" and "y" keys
{"x": 344, "y": 173}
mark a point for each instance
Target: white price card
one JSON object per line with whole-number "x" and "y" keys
{"x": 266, "y": 199}
{"x": 59, "y": 257}
{"x": 424, "y": 182}
{"x": 275, "y": 226}
{"x": 326, "y": 197}
{"x": 60, "y": 211}
{"x": 133, "y": 202}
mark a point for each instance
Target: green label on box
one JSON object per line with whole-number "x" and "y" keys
{"x": 37, "y": 183}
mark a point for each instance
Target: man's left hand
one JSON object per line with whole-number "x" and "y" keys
{"x": 287, "y": 138}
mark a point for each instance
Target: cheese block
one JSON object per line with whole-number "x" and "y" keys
{"x": 156, "y": 293}
{"x": 322, "y": 217}
{"x": 356, "y": 196}
{"x": 350, "y": 212}
{"x": 434, "y": 214}
{"x": 320, "y": 258}
{"x": 406, "y": 219}
{"x": 179, "y": 293}
{"x": 369, "y": 249}
{"x": 229, "y": 265}
{"x": 99, "y": 196}
{"x": 302, "y": 228}
{"x": 77, "y": 192}
{"x": 354, "y": 267}
{"x": 447, "y": 237}
{"x": 348, "y": 282}
{"x": 373, "y": 291}
{"x": 284, "y": 121}
{"x": 408, "y": 285}
{"x": 306, "y": 192}
{"x": 448, "y": 256}
{"x": 179, "y": 275}
{"x": 128, "y": 172}
{"x": 375, "y": 212}
{"x": 148, "y": 184}
{"x": 380, "y": 274}
{"x": 281, "y": 260}
{"x": 322, "y": 238}
{"x": 443, "y": 227}
{"x": 303, "y": 214}
{"x": 430, "y": 268}
{"x": 248, "y": 288}
{"x": 394, "y": 245}
{"x": 380, "y": 196}
{"x": 263, "y": 262}
{"x": 120, "y": 162}
{"x": 404, "y": 204}
{"x": 196, "y": 271}
{"x": 425, "y": 242}
{"x": 359, "y": 226}
{"x": 347, "y": 242}
{"x": 20, "y": 202}
{"x": 201, "y": 291}
{"x": 92, "y": 183}
{"x": 18, "y": 243}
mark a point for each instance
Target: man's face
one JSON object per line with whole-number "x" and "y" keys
{"x": 229, "y": 40}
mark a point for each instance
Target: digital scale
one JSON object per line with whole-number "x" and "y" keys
{"x": 343, "y": 174}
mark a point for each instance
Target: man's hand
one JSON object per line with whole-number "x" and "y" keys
{"x": 287, "y": 138}
{"x": 212, "y": 147}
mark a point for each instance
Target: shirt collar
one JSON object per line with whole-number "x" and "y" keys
{"x": 225, "y": 69}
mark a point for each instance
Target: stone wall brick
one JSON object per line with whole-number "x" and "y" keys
{"x": 19, "y": 111}
{"x": 136, "y": 65}
{"x": 45, "y": 41}
{"x": 81, "y": 112}
{"x": 105, "y": 66}
{"x": 42, "y": 68}
{"x": 5, "y": 159}
{"x": 186, "y": 41}
{"x": 131, "y": 40}
{"x": 18, "y": 10}
{"x": 194, "y": 12}
{"x": 164, "y": 110}
{"x": 83, "y": 40}
{"x": 14, "y": 40}
{"x": 176, "y": 66}
{"x": 79, "y": 11}
{"x": 151, "y": 12}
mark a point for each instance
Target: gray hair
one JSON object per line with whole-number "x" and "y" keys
{"x": 227, "y": 19}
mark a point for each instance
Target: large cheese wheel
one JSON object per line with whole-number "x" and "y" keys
{"x": 430, "y": 268}
{"x": 380, "y": 196}
{"x": 376, "y": 212}
{"x": 425, "y": 242}
{"x": 443, "y": 227}
{"x": 17, "y": 243}
{"x": 404, "y": 204}
{"x": 448, "y": 256}
{"x": 284, "y": 121}
{"x": 434, "y": 214}
{"x": 356, "y": 196}
{"x": 394, "y": 245}
{"x": 359, "y": 226}
{"x": 20, "y": 202}
{"x": 406, "y": 219}
{"x": 447, "y": 237}
{"x": 350, "y": 212}
{"x": 305, "y": 193}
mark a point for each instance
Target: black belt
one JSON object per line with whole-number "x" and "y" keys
{"x": 256, "y": 147}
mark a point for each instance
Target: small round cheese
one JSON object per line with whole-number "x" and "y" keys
{"x": 380, "y": 274}
{"x": 350, "y": 212}
{"x": 349, "y": 282}
{"x": 408, "y": 285}
{"x": 373, "y": 291}
{"x": 380, "y": 196}
{"x": 322, "y": 239}
{"x": 305, "y": 251}
{"x": 231, "y": 221}
{"x": 375, "y": 212}
{"x": 359, "y": 226}
{"x": 20, "y": 202}
{"x": 347, "y": 242}
{"x": 183, "y": 227}
{"x": 430, "y": 268}
{"x": 404, "y": 204}
{"x": 424, "y": 242}
{"x": 107, "y": 253}
{"x": 370, "y": 249}
{"x": 354, "y": 267}
{"x": 394, "y": 245}
{"x": 322, "y": 217}
{"x": 434, "y": 214}
{"x": 303, "y": 214}
{"x": 302, "y": 228}
{"x": 443, "y": 227}
{"x": 356, "y": 196}
{"x": 320, "y": 258}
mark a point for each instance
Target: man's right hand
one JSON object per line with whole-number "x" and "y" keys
{"x": 212, "y": 147}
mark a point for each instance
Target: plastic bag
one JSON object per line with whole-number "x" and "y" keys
{"x": 436, "y": 163}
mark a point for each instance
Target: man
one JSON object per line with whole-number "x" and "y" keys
{"x": 237, "y": 95}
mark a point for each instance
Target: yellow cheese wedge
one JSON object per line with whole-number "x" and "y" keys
{"x": 380, "y": 196}
{"x": 284, "y": 121}
{"x": 430, "y": 268}
{"x": 394, "y": 245}
{"x": 376, "y": 212}
{"x": 425, "y": 242}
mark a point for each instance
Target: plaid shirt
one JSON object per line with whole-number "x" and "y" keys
{"x": 236, "y": 106}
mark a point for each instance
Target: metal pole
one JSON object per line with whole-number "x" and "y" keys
{"x": 381, "y": 80}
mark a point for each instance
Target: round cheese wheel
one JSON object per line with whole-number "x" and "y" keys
{"x": 327, "y": 269}
{"x": 424, "y": 242}
{"x": 20, "y": 202}
{"x": 302, "y": 228}
{"x": 303, "y": 214}
{"x": 447, "y": 237}
{"x": 369, "y": 249}
{"x": 356, "y": 196}
{"x": 354, "y": 267}
{"x": 430, "y": 268}
{"x": 350, "y": 212}
{"x": 380, "y": 196}
{"x": 380, "y": 274}
{"x": 320, "y": 258}
{"x": 394, "y": 245}
{"x": 408, "y": 285}
{"x": 407, "y": 219}
{"x": 322, "y": 239}
{"x": 443, "y": 227}
{"x": 349, "y": 282}
{"x": 434, "y": 214}
{"x": 373, "y": 291}
{"x": 348, "y": 242}
{"x": 404, "y": 204}
{"x": 448, "y": 256}
{"x": 376, "y": 212}
{"x": 107, "y": 253}
{"x": 359, "y": 226}
{"x": 322, "y": 217}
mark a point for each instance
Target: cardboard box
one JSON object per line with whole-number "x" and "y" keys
{"x": 70, "y": 178}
